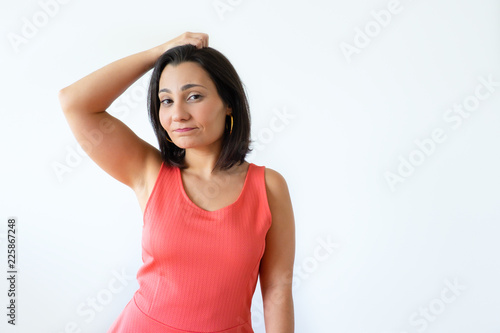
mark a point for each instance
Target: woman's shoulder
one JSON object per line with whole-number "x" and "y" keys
{"x": 279, "y": 201}
{"x": 275, "y": 182}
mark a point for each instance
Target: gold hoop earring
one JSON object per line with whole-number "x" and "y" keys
{"x": 166, "y": 137}
{"x": 231, "y": 130}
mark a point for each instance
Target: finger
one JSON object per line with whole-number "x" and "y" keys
{"x": 203, "y": 38}
{"x": 197, "y": 42}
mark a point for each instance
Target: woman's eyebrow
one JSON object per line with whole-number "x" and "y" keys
{"x": 184, "y": 87}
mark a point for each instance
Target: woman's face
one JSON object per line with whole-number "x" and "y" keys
{"x": 191, "y": 110}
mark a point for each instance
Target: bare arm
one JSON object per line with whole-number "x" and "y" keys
{"x": 276, "y": 269}
{"x": 95, "y": 92}
{"x": 107, "y": 140}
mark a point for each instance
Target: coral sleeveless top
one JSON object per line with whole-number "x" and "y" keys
{"x": 200, "y": 267}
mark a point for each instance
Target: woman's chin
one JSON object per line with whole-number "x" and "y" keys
{"x": 193, "y": 144}
{"x": 185, "y": 144}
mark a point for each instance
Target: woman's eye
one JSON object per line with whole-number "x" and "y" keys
{"x": 198, "y": 96}
{"x": 168, "y": 101}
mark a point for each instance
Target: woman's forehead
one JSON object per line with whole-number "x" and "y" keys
{"x": 176, "y": 76}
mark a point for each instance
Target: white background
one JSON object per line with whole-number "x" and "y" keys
{"x": 351, "y": 120}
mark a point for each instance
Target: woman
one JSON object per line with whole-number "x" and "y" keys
{"x": 213, "y": 222}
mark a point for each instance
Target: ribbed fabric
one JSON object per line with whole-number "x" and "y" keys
{"x": 200, "y": 267}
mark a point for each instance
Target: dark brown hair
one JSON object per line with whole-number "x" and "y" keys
{"x": 230, "y": 89}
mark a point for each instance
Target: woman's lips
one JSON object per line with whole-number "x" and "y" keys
{"x": 184, "y": 129}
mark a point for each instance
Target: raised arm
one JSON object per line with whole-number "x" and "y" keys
{"x": 107, "y": 140}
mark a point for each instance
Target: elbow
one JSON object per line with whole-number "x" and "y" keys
{"x": 63, "y": 97}
{"x": 66, "y": 100}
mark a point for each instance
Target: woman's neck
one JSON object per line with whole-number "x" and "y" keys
{"x": 202, "y": 160}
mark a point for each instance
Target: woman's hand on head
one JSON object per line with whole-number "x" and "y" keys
{"x": 197, "y": 39}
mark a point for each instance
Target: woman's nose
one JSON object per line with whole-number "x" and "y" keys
{"x": 179, "y": 112}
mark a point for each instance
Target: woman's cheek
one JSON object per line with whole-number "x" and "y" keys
{"x": 163, "y": 119}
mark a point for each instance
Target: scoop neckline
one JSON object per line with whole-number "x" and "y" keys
{"x": 186, "y": 197}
